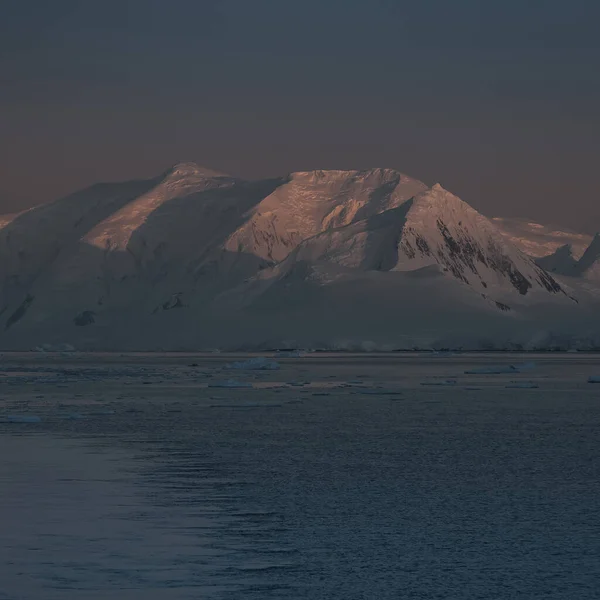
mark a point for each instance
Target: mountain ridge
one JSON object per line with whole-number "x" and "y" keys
{"x": 195, "y": 257}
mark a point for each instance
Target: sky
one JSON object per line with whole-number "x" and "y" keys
{"x": 499, "y": 101}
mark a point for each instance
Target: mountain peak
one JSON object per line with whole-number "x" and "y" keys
{"x": 187, "y": 169}
{"x": 589, "y": 263}
{"x": 326, "y": 175}
{"x": 441, "y": 199}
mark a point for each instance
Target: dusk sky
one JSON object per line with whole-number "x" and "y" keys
{"x": 497, "y": 101}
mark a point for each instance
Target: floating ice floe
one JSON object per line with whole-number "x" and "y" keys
{"x": 526, "y": 385}
{"x": 501, "y": 369}
{"x": 289, "y": 354}
{"x": 230, "y": 383}
{"x": 257, "y": 363}
{"x": 23, "y": 419}
{"x": 447, "y": 382}
{"x": 379, "y": 392}
{"x": 54, "y": 348}
{"x": 74, "y": 416}
{"x": 594, "y": 379}
{"x": 245, "y": 405}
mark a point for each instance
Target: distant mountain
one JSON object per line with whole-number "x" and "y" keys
{"x": 539, "y": 240}
{"x": 588, "y": 265}
{"x": 196, "y": 259}
{"x": 561, "y": 262}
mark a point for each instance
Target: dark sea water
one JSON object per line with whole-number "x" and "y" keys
{"x": 141, "y": 482}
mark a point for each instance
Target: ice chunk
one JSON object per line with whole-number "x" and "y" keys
{"x": 379, "y": 392}
{"x": 245, "y": 405}
{"x": 492, "y": 370}
{"x": 447, "y": 382}
{"x": 74, "y": 416}
{"x": 501, "y": 369}
{"x": 257, "y": 363}
{"x": 23, "y": 419}
{"x": 289, "y": 354}
{"x": 230, "y": 383}
{"x": 525, "y": 367}
{"x": 523, "y": 385}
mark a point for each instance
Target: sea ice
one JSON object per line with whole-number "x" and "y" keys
{"x": 257, "y": 363}
{"x": 23, "y": 419}
{"x": 523, "y": 385}
{"x": 229, "y": 383}
{"x": 74, "y": 416}
{"x": 245, "y": 405}
{"x": 501, "y": 369}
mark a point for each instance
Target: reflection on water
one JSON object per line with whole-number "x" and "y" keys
{"x": 84, "y": 521}
{"x": 432, "y": 494}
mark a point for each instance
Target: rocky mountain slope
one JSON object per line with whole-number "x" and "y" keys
{"x": 195, "y": 259}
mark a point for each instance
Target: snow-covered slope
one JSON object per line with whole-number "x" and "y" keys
{"x": 435, "y": 228}
{"x": 7, "y": 218}
{"x": 311, "y": 202}
{"x": 196, "y": 259}
{"x": 541, "y": 240}
{"x": 31, "y": 241}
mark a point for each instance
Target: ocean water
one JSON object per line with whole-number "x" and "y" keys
{"x": 357, "y": 481}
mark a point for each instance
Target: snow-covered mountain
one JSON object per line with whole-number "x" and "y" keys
{"x": 588, "y": 265}
{"x": 434, "y": 228}
{"x": 195, "y": 259}
{"x": 561, "y": 261}
{"x": 311, "y": 202}
{"x": 539, "y": 240}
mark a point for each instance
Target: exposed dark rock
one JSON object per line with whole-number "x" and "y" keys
{"x": 20, "y": 312}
